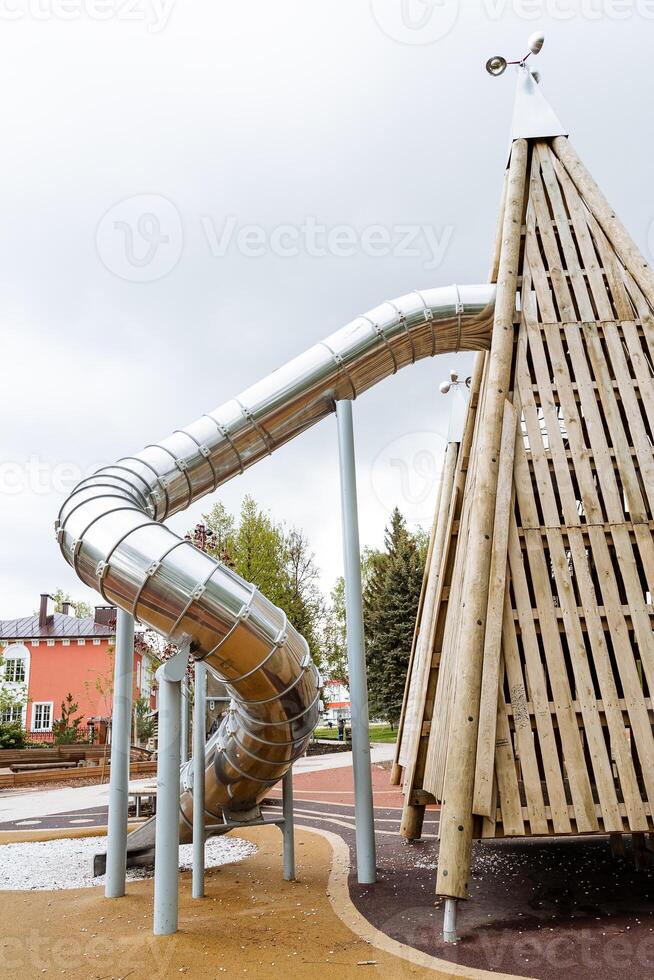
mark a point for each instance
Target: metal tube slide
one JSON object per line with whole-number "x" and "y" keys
{"x": 111, "y": 530}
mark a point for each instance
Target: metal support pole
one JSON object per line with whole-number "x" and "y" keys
{"x": 120, "y": 750}
{"x": 363, "y": 802}
{"x": 166, "y": 853}
{"x": 449, "y": 921}
{"x": 288, "y": 828}
{"x": 199, "y": 742}
{"x": 185, "y": 722}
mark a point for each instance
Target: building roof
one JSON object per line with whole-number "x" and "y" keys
{"x": 57, "y": 626}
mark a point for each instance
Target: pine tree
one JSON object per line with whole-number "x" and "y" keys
{"x": 391, "y": 597}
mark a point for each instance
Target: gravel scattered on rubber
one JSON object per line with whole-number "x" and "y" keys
{"x": 68, "y": 863}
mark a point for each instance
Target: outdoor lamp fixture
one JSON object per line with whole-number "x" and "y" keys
{"x": 497, "y": 64}
{"x": 454, "y": 382}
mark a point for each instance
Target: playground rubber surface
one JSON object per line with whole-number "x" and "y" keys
{"x": 543, "y": 909}
{"x": 251, "y": 923}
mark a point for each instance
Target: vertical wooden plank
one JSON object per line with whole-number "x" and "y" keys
{"x": 525, "y": 740}
{"x": 488, "y": 705}
{"x": 508, "y": 790}
{"x": 537, "y": 685}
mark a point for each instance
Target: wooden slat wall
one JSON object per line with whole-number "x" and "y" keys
{"x": 566, "y": 741}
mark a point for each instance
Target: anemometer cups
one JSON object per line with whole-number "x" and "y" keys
{"x": 496, "y": 65}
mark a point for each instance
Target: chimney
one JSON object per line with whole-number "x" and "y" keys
{"x": 44, "y": 613}
{"x": 65, "y": 607}
{"x": 105, "y": 616}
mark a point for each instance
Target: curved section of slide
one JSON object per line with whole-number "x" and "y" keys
{"x": 111, "y": 530}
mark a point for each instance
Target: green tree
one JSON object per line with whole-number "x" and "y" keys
{"x": 82, "y": 610}
{"x": 334, "y": 639}
{"x": 144, "y": 720}
{"x": 66, "y": 728}
{"x": 222, "y": 524}
{"x": 391, "y": 596}
{"x": 278, "y": 560}
{"x": 258, "y": 554}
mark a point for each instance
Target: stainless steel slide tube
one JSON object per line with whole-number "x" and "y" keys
{"x": 111, "y": 531}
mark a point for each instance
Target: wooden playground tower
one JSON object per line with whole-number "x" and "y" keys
{"x": 528, "y": 705}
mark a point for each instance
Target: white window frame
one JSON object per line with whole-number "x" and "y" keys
{"x": 34, "y": 643}
{"x": 42, "y": 704}
{"x": 96, "y": 643}
{"x": 15, "y": 711}
{"x": 14, "y": 660}
{"x": 81, "y": 643}
{"x": 50, "y": 643}
{"x": 66, "y": 642}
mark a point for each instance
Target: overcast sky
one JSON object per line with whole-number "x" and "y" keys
{"x": 194, "y": 192}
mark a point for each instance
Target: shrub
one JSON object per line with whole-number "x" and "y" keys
{"x": 66, "y": 728}
{"x": 12, "y": 735}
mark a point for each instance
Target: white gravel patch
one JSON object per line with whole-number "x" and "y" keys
{"x": 54, "y": 864}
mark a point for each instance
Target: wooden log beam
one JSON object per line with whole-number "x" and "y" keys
{"x": 609, "y": 222}
{"x": 396, "y": 771}
{"x": 457, "y": 817}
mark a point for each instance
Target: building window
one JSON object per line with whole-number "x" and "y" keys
{"x": 81, "y": 643}
{"x": 15, "y": 670}
{"x": 42, "y": 716}
{"x": 50, "y": 643}
{"x": 96, "y": 643}
{"x": 66, "y": 643}
{"x": 12, "y": 714}
{"x": 34, "y": 643}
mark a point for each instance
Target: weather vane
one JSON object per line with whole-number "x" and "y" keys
{"x": 497, "y": 64}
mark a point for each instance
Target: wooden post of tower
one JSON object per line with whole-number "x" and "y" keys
{"x": 456, "y": 816}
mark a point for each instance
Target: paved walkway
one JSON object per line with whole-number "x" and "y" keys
{"x": 17, "y": 807}
{"x": 538, "y": 908}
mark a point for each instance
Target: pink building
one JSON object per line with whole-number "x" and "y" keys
{"x": 53, "y": 654}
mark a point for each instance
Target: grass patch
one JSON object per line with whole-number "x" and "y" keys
{"x": 378, "y": 733}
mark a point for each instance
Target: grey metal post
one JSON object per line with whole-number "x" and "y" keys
{"x": 363, "y": 802}
{"x": 449, "y": 921}
{"x": 166, "y": 854}
{"x": 288, "y": 828}
{"x": 121, "y": 720}
{"x": 199, "y": 742}
{"x": 185, "y": 721}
